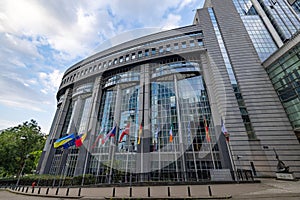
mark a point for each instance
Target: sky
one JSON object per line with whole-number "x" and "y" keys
{"x": 40, "y": 39}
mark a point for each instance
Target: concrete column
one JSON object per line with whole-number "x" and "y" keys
{"x": 143, "y": 159}
{"x": 83, "y": 155}
{"x": 55, "y": 132}
{"x": 181, "y": 145}
{"x": 114, "y": 140}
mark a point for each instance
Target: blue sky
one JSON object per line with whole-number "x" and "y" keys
{"x": 40, "y": 39}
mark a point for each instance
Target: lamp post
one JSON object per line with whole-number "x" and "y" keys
{"x": 22, "y": 170}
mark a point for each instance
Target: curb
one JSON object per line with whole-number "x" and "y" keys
{"x": 44, "y": 195}
{"x": 270, "y": 195}
{"x": 170, "y": 198}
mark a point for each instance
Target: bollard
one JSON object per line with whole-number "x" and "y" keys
{"x": 19, "y": 188}
{"x": 67, "y": 193}
{"x": 148, "y": 191}
{"x": 209, "y": 191}
{"x": 130, "y": 192}
{"x": 79, "y": 191}
{"x": 23, "y": 189}
{"x": 114, "y": 192}
{"x": 169, "y": 192}
{"x": 47, "y": 191}
{"x": 39, "y": 191}
{"x": 189, "y": 191}
{"x": 56, "y": 193}
{"x": 32, "y": 191}
{"x": 26, "y": 189}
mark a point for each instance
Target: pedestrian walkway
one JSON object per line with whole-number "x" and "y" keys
{"x": 270, "y": 188}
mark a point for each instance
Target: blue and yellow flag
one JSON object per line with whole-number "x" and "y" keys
{"x": 61, "y": 141}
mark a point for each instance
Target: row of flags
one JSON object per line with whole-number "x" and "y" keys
{"x": 71, "y": 139}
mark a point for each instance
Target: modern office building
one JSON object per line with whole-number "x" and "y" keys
{"x": 283, "y": 68}
{"x": 295, "y": 5}
{"x": 152, "y": 107}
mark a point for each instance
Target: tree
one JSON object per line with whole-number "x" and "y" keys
{"x": 18, "y": 145}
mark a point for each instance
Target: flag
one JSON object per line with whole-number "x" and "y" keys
{"x": 79, "y": 140}
{"x": 125, "y": 132}
{"x": 100, "y": 137}
{"x": 171, "y": 133}
{"x": 140, "y": 133}
{"x": 224, "y": 130}
{"x": 69, "y": 144}
{"x": 63, "y": 140}
{"x": 206, "y": 130}
{"x": 112, "y": 133}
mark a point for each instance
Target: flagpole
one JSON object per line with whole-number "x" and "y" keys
{"x": 223, "y": 129}
{"x": 231, "y": 159}
{"x": 126, "y": 170}
{"x": 212, "y": 155}
{"x": 209, "y": 140}
{"x": 176, "y": 165}
{"x": 194, "y": 157}
{"x": 100, "y": 158}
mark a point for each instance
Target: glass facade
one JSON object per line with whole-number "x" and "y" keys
{"x": 256, "y": 29}
{"x": 147, "y": 113}
{"x": 285, "y": 76}
{"x": 178, "y": 106}
{"x": 283, "y": 19}
{"x": 76, "y": 121}
{"x": 234, "y": 83}
{"x": 296, "y": 6}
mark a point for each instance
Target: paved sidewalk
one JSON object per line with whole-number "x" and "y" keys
{"x": 267, "y": 189}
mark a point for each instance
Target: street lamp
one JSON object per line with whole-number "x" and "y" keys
{"x": 22, "y": 170}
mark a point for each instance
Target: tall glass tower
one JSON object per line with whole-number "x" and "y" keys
{"x": 269, "y": 23}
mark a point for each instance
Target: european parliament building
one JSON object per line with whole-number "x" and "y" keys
{"x": 158, "y": 108}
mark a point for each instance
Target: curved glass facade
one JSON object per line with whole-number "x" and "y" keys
{"x": 151, "y": 109}
{"x": 178, "y": 105}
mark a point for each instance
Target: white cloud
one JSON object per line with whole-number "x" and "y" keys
{"x": 50, "y": 81}
{"x": 16, "y": 95}
{"x": 40, "y": 38}
{"x": 172, "y": 21}
{"x": 4, "y": 124}
{"x": 185, "y": 3}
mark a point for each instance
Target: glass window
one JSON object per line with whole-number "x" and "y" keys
{"x": 140, "y": 54}
{"x": 147, "y": 52}
{"x": 192, "y": 44}
{"x": 176, "y": 46}
{"x": 115, "y": 61}
{"x": 121, "y": 59}
{"x": 109, "y": 63}
{"x": 127, "y": 58}
{"x": 132, "y": 56}
{"x": 183, "y": 45}
{"x": 153, "y": 51}
{"x": 168, "y": 48}
{"x": 200, "y": 42}
{"x": 161, "y": 49}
